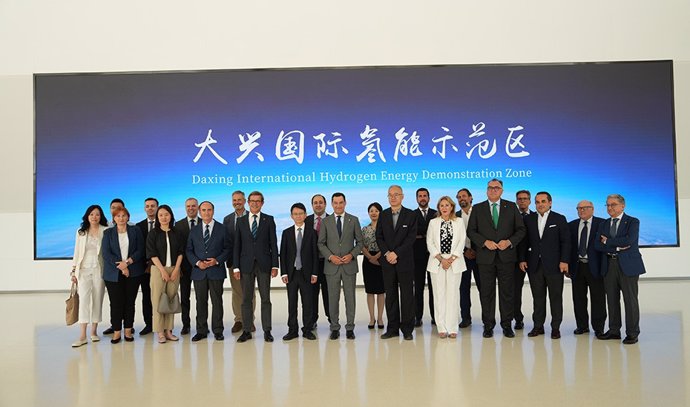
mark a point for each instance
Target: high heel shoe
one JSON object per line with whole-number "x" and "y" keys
{"x": 371, "y": 326}
{"x": 380, "y": 325}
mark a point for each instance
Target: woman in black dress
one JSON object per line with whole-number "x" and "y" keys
{"x": 373, "y": 277}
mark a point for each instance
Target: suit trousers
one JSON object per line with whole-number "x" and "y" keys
{"x": 321, "y": 285}
{"x": 204, "y": 289}
{"x": 466, "y": 285}
{"x": 616, "y": 282}
{"x": 91, "y": 292}
{"x": 541, "y": 282}
{"x": 263, "y": 280}
{"x": 162, "y": 322}
{"x": 146, "y": 307}
{"x": 399, "y": 309}
{"x": 488, "y": 274}
{"x": 584, "y": 279}
{"x": 447, "y": 286}
{"x": 348, "y": 282}
{"x": 518, "y": 283}
{"x": 420, "y": 275}
{"x": 299, "y": 284}
{"x": 123, "y": 296}
{"x": 237, "y": 299}
{"x": 185, "y": 296}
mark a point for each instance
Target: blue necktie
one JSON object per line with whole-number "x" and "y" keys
{"x": 207, "y": 237}
{"x": 339, "y": 226}
{"x": 298, "y": 258}
{"x": 255, "y": 226}
{"x": 614, "y": 227}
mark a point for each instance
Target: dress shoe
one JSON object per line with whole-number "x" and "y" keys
{"x": 82, "y": 342}
{"x": 129, "y": 338}
{"x": 508, "y": 332}
{"x": 418, "y": 323}
{"x": 608, "y": 335}
{"x": 147, "y": 330}
{"x": 350, "y": 334}
{"x": 433, "y": 322}
{"x": 95, "y": 338}
{"x": 219, "y": 337}
{"x": 185, "y": 330}
{"x": 334, "y": 335}
{"x": 309, "y": 335}
{"x": 253, "y": 328}
{"x": 388, "y": 335}
{"x": 488, "y": 332}
{"x": 162, "y": 339}
{"x": 555, "y": 334}
{"x": 372, "y": 325}
{"x": 197, "y": 337}
{"x": 598, "y": 333}
{"x": 580, "y": 331}
{"x": 536, "y": 332}
{"x": 244, "y": 337}
{"x": 109, "y": 331}
{"x": 629, "y": 340}
{"x": 452, "y": 335}
{"x": 408, "y": 337}
{"x": 267, "y": 336}
{"x": 114, "y": 341}
{"x": 519, "y": 325}
{"x": 172, "y": 337}
{"x": 290, "y": 336}
{"x": 236, "y": 327}
{"x": 380, "y": 326}
{"x": 465, "y": 323}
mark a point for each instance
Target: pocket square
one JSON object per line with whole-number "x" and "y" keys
{"x": 404, "y": 226}
{"x": 552, "y": 226}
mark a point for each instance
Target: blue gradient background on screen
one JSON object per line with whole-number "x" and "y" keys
{"x": 590, "y": 129}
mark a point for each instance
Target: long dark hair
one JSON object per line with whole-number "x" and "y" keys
{"x": 157, "y": 224}
{"x": 85, "y": 219}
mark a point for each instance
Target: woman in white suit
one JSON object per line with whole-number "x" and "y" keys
{"x": 87, "y": 271}
{"x": 445, "y": 240}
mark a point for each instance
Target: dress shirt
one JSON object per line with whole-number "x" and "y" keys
{"x": 466, "y": 221}
{"x": 237, "y": 216}
{"x": 210, "y": 229}
{"x": 491, "y": 207}
{"x": 296, "y": 232}
{"x": 196, "y": 222}
{"x": 541, "y": 222}
{"x": 251, "y": 219}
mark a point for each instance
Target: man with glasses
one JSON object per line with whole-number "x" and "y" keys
{"x": 522, "y": 198}
{"x": 496, "y": 228}
{"x": 585, "y": 270}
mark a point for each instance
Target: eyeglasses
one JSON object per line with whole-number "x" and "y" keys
{"x": 613, "y": 205}
{"x": 394, "y": 195}
{"x": 255, "y": 201}
{"x": 583, "y": 208}
{"x": 494, "y": 188}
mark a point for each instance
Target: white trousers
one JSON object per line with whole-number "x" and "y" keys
{"x": 91, "y": 292}
{"x": 446, "y": 300}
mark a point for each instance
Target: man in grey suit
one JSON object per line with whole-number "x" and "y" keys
{"x": 340, "y": 241}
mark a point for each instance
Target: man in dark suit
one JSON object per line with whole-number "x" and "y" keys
{"x": 314, "y": 221}
{"x": 546, "y": 252}
{"x": 522, "y": 199}
{"x": 298, "y": 269}
{"x": 585, "y": 270}
{"x": 495, "y": 228}
{"x": 396, "y": 233}
{"x": 464, "y": 197}
{"x": 421, "y": 257}
{"x": 150, "y": 207}
{"x": 183, "y": 226}
{"x": 256, "y": 261}
{"x": 230, "y": 222}
{"x": 618, "y": 238}
{"x": 208, "y": 247}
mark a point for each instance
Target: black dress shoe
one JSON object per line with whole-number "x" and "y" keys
{"x": 244, "y": 337}
{"x": 629, "y": 340}
{"x": 508, "y": 332}
{"x": 488, "y": 332}
{"x": 308, "y": 335}
{"x": 114, "y": 341}
{"x": 408, "y": 337}
{"x": 580, "y": 331}
{"x": 608, "y": 335}
{"x": 388, "y": 335}
{"x": 109, "y": 331}
{"x": 598, "y": 333}
{"x": 350, "y": 334}
{"x": 147, "y": 330}
{"x": 555, "y": 334}
{"x": 465, "y": 323}
{"x": 185, "y": 330}
{"x": 267, "y": 336}
{"x": 372, "y": 325}
{"x": 380, "y": 326}
{"x": 334, "y": 335}
{"x": 519, "y": 325}
{"x": 219, "y": 337}
{"x": 418, "y": 323}
{"x": 197, "y": 337}
{"x": 128, "y": 338}
{"x": 536, "y": 332}
{"x": 290, "y": 336}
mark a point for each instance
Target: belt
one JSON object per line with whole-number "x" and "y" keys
{"x": 612, "y": 255}
{"x": 582, "y": 260}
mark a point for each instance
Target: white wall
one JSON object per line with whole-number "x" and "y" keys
{"x": 87, "y": 36}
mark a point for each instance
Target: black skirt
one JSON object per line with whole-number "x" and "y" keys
{"x": 373, "y": 277}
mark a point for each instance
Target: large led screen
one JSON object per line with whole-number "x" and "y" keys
{"x": 578, "y": 131}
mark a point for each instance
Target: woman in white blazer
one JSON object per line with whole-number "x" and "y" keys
{"x": 87, "y": 271}
{"x": 445, "y": 240}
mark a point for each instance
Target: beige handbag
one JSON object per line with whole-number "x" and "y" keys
{"x": 72, "y": 306}
{"x": 167, "y": 305}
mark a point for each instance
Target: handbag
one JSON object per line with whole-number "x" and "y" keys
{"x": 72, "y": 306}
{"x": 167, "y": 305}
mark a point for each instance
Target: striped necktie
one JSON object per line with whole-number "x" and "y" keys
{"x": 255, "y": 226}
{"x": 207, "y": 236}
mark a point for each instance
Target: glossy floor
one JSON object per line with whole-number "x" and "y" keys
{"x": 38, "y": 367}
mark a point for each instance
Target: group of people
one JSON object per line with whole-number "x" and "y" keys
{"x": 493, "y": 241}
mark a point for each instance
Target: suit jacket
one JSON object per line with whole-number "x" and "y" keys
{"x": 481, "y": 228}
{"x": 552, "y": 248}
{"x": 218, "y": 248}
{"x": 350, "y": 242}
{"x": 399, "y": 239}
{"x": 420, "y": 245}
{"x": 110, "y": 249}
{"x": 80, "y": 250}
{"x": 457, "y": 247}
{"x": 263, "y": 249}
{"x": 144, "y": 228}
{"x": 628, "y": 234}
{"x": 182, "y": 227}
{"x": 231, "y": 228}
{"x": 309, "y": 253}
{"x": 593, "y": 255}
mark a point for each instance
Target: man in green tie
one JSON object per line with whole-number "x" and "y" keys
{"x": 495, "y": 229}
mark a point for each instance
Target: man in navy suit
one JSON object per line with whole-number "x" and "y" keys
{"x": 421, "y": 257}
{"x": 546, "y": 252}
{"x": 585, "y": 270}
{"x": 522, "y": 199}
{"x": 208, "y": 247}
{"x": 618, "y": 238}
{"x": 146, "y": 225}
{"x": 183, "y": 227}
{"x": 299, "y": 262}
{"x": 255, "y": 258}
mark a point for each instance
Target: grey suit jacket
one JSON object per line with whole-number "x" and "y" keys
{"x": 330, "y": 244}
